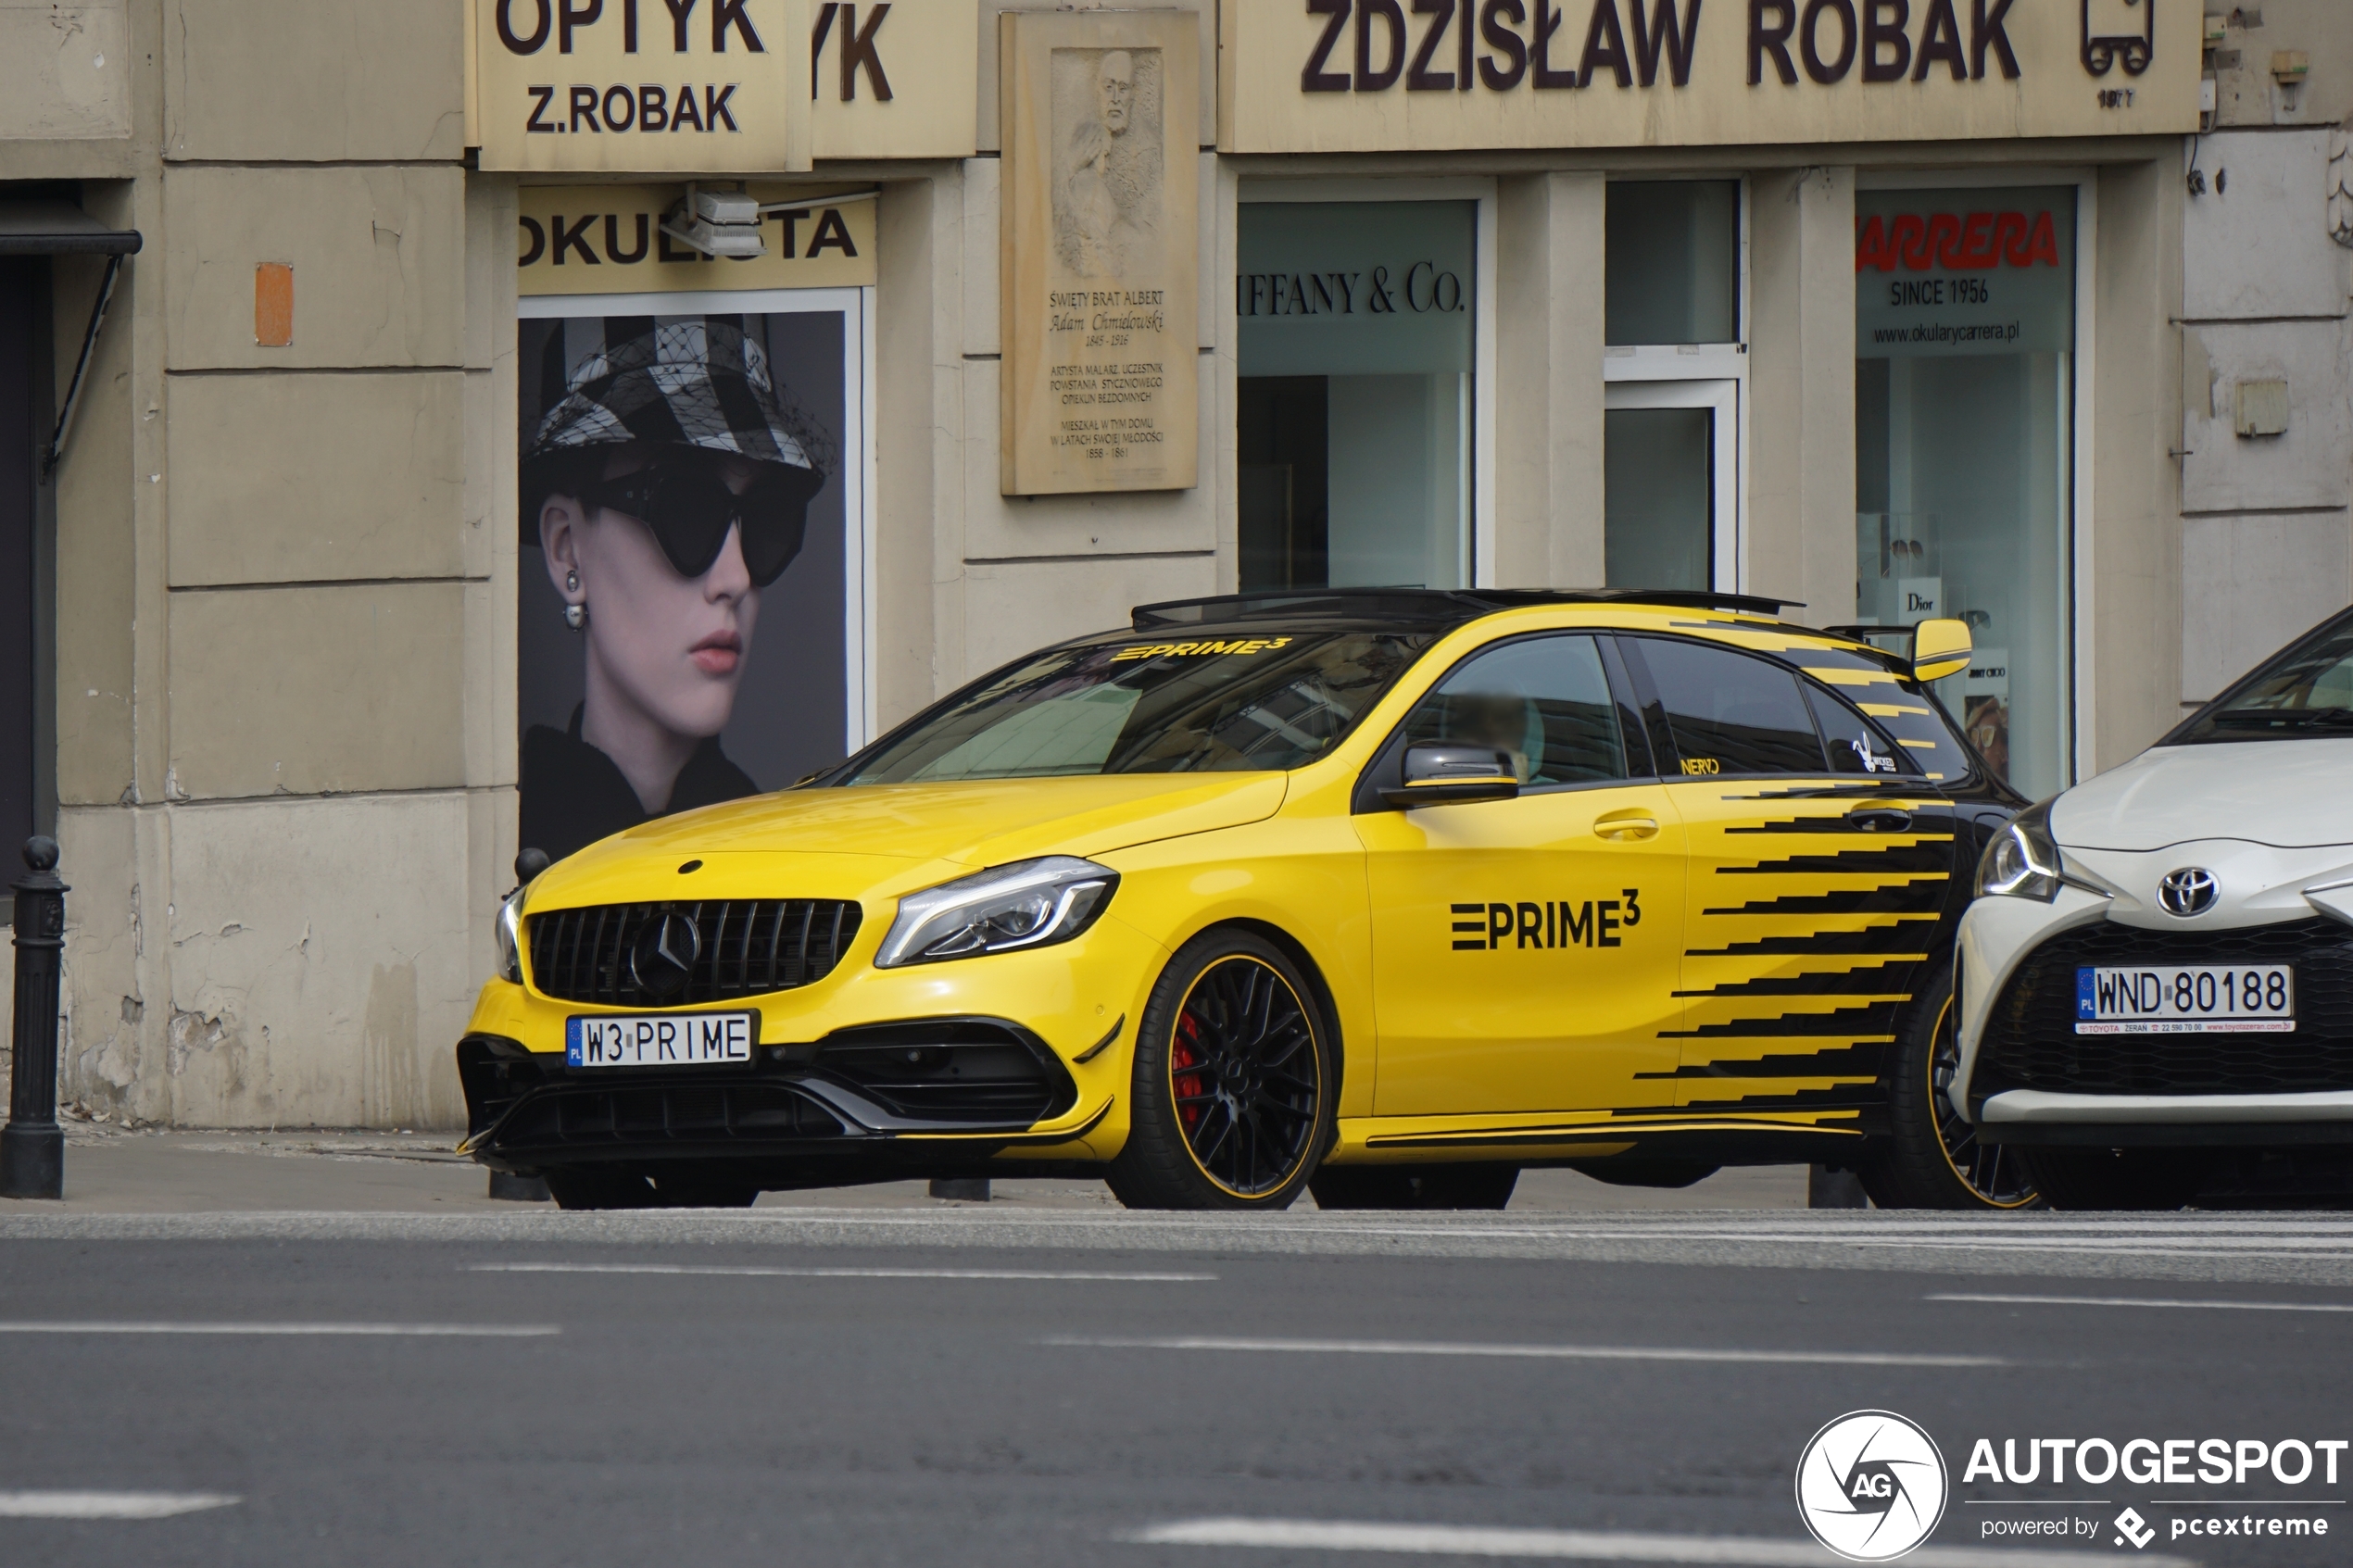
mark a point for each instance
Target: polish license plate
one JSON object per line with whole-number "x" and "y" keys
{"x": 2186, "y": 999}
{"x": 678, "y": 1039}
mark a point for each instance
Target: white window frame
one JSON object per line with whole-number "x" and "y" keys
{"x": 1722, "y": 395}
{"x": 856, "y": 308}
{"x": 2079, "y": 686}
{"x": 1669, "y": 363}
{"x": 1482, "y": 191}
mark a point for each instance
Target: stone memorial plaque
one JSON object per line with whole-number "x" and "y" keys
{"x": 1101, "y": 253}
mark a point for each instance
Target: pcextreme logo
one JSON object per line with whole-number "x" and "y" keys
{"x": 1871, "y": 1485}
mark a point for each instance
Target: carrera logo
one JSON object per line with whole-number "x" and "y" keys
{"x": 1974, "y": 242}
{"x": 1551, "y": 925}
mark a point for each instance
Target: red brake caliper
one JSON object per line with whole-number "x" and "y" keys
{"x": 1184, "y": 1069}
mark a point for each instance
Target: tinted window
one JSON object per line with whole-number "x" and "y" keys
{"x": 1200, "y": 704}
{"x": 2307, "y": 690}
{"x": 1731, "y": 713}
{"x": 1856, "y": 744}
{"x": 1544, "y": 700}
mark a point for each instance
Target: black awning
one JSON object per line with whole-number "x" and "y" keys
{"x": 57, "y": 228}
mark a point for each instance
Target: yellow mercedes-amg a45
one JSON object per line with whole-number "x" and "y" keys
{"x": 1387, "y": 894}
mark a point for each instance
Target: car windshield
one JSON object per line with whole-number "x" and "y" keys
{"x": 1241, "y": 702}
{"x": 2306, "y": 691}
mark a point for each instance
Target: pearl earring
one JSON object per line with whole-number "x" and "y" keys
{"x": 575, "y": 615}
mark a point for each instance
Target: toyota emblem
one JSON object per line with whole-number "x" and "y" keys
{"x": 662, "y": 957}
{"x": 2190, "y": 891}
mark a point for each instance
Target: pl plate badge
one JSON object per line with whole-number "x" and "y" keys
{"x": 1871, "y": 1485}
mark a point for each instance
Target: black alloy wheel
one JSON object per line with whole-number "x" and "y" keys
{"x": 1232, "y": 1102}
{"x": 1935, "y": 1159}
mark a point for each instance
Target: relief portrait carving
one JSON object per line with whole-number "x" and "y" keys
{"x": 1109, "y": 161}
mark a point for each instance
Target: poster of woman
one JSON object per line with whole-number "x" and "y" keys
{"x": 681, "y": 633}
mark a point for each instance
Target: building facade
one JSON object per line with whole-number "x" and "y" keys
{"x": 2029, "y": 312}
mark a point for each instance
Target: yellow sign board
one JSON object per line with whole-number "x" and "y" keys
{"x": 608, "y": 239}
{"x": 1331, "y": 76}
{"x": 642, "y": 86}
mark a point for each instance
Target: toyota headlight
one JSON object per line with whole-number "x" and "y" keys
{"x": 1028, "y": 904}
{"x": 509, "y": 926}
{"x": 2023, "y": 860}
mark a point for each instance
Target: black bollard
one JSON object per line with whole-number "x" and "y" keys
{"x": 32, "y": 1147}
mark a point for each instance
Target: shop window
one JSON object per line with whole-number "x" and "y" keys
{"x": 1670, "y": 423}
{"x": 1356, "y": 397}
{"x": 1673, "y": 267}
{"x": 1965, "y": 337}
{"x": 1658, "y": 467}
{"x": 19, "y": 436}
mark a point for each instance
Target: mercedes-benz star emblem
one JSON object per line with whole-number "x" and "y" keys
{"x": 2190, "y": 891}
{"x": 662, "y": 957}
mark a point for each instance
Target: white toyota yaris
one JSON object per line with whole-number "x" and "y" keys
{"x": 2157, "y": 977}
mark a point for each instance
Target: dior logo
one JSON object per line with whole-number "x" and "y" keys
{"x": 2190, "y": 891}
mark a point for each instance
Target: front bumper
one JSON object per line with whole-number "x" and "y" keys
{"x": 2026, "y": 1076}
{"x": 866, "y": 1072}
{"x": 838, "y": 1104}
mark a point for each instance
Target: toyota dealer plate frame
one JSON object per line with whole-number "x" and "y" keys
{"x": 672, "y": 1039}
{"x": 2198, "y": 998}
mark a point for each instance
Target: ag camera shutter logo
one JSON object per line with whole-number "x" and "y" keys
{"x": 1871, "y": 1485}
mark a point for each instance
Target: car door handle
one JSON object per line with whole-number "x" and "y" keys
{"x": 1625, "y": 825}
{"x": 1880, "y": 820}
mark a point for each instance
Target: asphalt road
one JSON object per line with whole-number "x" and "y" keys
{"x": 972, "y": 1388}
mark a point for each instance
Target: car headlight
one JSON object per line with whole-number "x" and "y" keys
{"x": 2023, "y": 861}
{"x": 1028, "y": 904}
{"x": 509, "y": 926}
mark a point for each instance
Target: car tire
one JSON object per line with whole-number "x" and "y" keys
{"x": 598, "y": 1186}
{"x": 1414, "y": 1186}
{"x": 1232, "y": 1092}
{"x": 2132, "y": 1179}
{"x": 1932, "y": 1158}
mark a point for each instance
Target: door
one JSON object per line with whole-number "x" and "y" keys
{"x": 1525, "y": 950}
{"x": 1671, "y": 484}
{"x": 1818, "y": 877}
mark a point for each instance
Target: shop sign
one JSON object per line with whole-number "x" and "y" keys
{"x": 1299, "y": 75}
{"x": 1355, "y": 288}
{"x": 1961, "y": 271}
{"x": 642, "y": 86}
{"x": 894, "y": 79}
{"x": 1100, "y": 251}
{"x": 608, "y": 239}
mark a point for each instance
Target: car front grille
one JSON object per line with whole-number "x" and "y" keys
{"x": 2030, "y": 1039}
{"x": 746, "y": 947}
{"x": 654, "y": 1114}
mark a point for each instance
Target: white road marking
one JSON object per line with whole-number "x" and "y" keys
{"x": 108, "y": 1505}
{"x": 364, "y": 1330}
{"x": 2146, "y": 1301}
{"x": 1526, "y": 1352}
{"x": 834, "y": 1274}
{"x": 1611, "y": 1546}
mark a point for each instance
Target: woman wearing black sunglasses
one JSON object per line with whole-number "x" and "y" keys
{"x": 666, "y": 491}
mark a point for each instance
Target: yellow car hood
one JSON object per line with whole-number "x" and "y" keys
{"x": 882, "y": 832}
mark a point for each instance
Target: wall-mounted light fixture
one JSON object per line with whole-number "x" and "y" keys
{"x": 726, "y": 222}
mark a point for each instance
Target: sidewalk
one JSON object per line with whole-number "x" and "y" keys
{"x": 114, "y": 1171}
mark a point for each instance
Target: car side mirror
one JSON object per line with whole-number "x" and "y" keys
{"x": 1438, "y": 774}
{"x": 1939, "y": 648}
